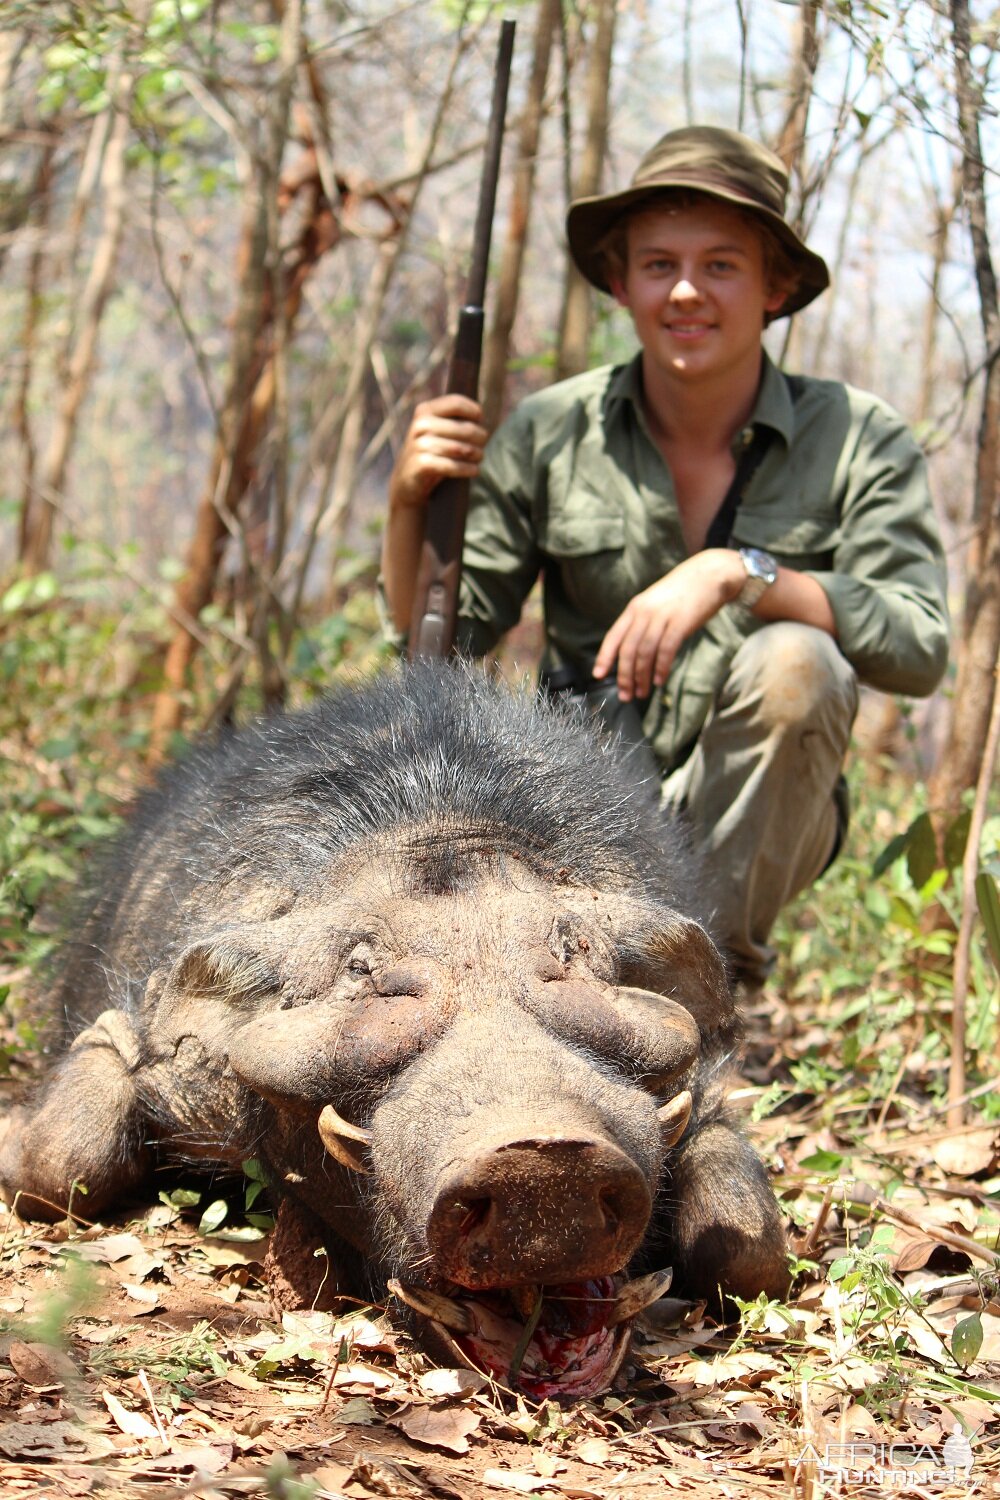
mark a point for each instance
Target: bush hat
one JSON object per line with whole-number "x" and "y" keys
{"x": 703, "y": 159}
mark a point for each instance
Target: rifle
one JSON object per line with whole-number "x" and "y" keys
{"x": 435, "y": 604}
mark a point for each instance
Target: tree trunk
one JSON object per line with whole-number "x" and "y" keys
{"x": 944, "y": 217}
{"x": 497, "y": 347}
{"x": 577, "y": 311}
{"x": 34, "y": 291}
{"x": 980, "y": 639}
{"x": 791, "y": 144}
{"x": 81, "y": 360}
{"x": 268, "y": 298}
{"x": 245, "y": 413}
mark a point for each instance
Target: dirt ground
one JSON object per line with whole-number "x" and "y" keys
{"x": 141, "y": 1356}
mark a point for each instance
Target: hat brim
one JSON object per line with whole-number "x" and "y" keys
{"x": 590, "y": 219}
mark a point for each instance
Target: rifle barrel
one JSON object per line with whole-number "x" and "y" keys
{"x": 435, "y": 607}
{"x": 476, "y": 294}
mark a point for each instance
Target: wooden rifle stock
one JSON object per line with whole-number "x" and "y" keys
{"x": 435, "y": 604}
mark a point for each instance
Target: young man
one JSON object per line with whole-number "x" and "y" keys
{"x": 738, "y": 548}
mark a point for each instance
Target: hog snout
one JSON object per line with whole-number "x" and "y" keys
{"x": 544, "y": 1209}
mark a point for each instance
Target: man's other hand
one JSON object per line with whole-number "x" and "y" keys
{"x": 650, "y": 631}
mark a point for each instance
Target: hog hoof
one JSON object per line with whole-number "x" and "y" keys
{"x": 83, "y": 1129}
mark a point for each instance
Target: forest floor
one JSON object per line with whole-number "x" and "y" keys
{"x": 141, "y": 1357}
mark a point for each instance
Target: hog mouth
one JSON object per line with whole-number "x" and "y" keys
{"x": 566, "y": 1340}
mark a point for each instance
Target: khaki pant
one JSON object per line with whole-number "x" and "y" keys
{"x": 758, "y": 789}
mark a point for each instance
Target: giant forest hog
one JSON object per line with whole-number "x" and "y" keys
{"x": 430, "y": 955}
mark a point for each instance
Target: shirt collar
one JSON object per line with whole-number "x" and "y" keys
{"x": 773, "y": 407}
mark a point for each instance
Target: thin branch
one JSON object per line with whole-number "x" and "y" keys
{"x": 963, "y": 947}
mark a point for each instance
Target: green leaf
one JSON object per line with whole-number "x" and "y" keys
{"x": 827, "y": 1163}
{"x": 967, "y": 1340}
{"x": 956, "y": 838}
{"x": 262, "y": 1222}
{"x": 213, "y": 1216}
{"x": 921, "y": 851}
{"x": 988, "y": 901}
{"x": 17, "y": 596}
{"x": 181, "y": 1198}
{"x": 891, "y": 853}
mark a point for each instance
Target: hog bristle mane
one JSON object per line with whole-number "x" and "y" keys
{"x": 420, "y": 749}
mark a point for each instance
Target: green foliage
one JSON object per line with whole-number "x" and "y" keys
{"x": 187, "y": 1362}
{"x": 879, "y": 931}
{"x": 67, "y": 736}
{"x": 988, "y": 900}
{"x": 77, "y": 678}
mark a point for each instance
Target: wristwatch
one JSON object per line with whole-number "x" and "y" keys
{"x": 762, "y": 570}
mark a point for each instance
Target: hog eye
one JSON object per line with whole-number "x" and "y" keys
{"x": 360, "y": 963}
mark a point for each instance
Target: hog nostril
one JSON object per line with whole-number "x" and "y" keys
{"x": 610, "y": 1205}
{"x": 477, "y": 1211}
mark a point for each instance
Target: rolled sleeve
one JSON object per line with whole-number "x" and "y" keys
{"x": 887, "y": 586}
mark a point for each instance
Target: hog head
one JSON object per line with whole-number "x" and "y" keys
{"x": 495, "y": 1106}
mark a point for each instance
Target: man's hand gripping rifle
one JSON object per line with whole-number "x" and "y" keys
{"x": 432, "y": 628}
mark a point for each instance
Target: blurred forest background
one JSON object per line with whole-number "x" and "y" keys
{"x": 233, "y": 241}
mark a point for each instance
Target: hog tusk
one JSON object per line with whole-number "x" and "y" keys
{"x": 635, "y": 1295}
{"x": 442, "y": 1309}
{"x": 673, "y": 1118}
{"x": 345, "y": 1142}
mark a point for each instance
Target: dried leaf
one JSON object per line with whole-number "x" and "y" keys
{"x": 136, "y": 1268}
{"x": 440, "y": 1384}
{"x": 108, "y": 1248}
{"x": 331, "y": 1477}
{"x": 447, "y": 1427}
{"x": 357, "y": 1412}
{"x": 37, "y": 1364}
{"x": 751, "y": 1416}
{"x": 225, "y": 1253}
{"x": 361, "y": 1378}
{"x": 509, "y": 1479}
{"x": 148, "y": 1300}
{"x": 966, "y": 1155}
{"x": 593, "y": 1450}
{"x": 548, "y": 1465}
{"x": 362, "y": 1333}
{"x": 132, "y": 1423}
{"x": 380, "y": 1476}
{"x": 48, "y": 1440}
{"x": 914, "y": 1253}
{"x": 205, "y": 1461}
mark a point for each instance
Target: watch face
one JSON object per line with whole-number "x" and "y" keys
{"x": 759, "y": 564}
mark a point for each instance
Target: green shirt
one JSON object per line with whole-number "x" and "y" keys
{"x": 573, "y": 486}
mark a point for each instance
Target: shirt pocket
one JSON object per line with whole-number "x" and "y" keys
{"x": 587, "y": 553}
{"x": 577, "y": 534}
{"x": 800, "y": 542}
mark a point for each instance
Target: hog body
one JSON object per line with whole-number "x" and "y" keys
{"x": 429, "y": 954}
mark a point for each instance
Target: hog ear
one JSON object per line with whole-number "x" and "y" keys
{"x": 680, "y": 960}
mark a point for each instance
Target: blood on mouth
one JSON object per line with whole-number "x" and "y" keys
{"x": 565, "y": 1340}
